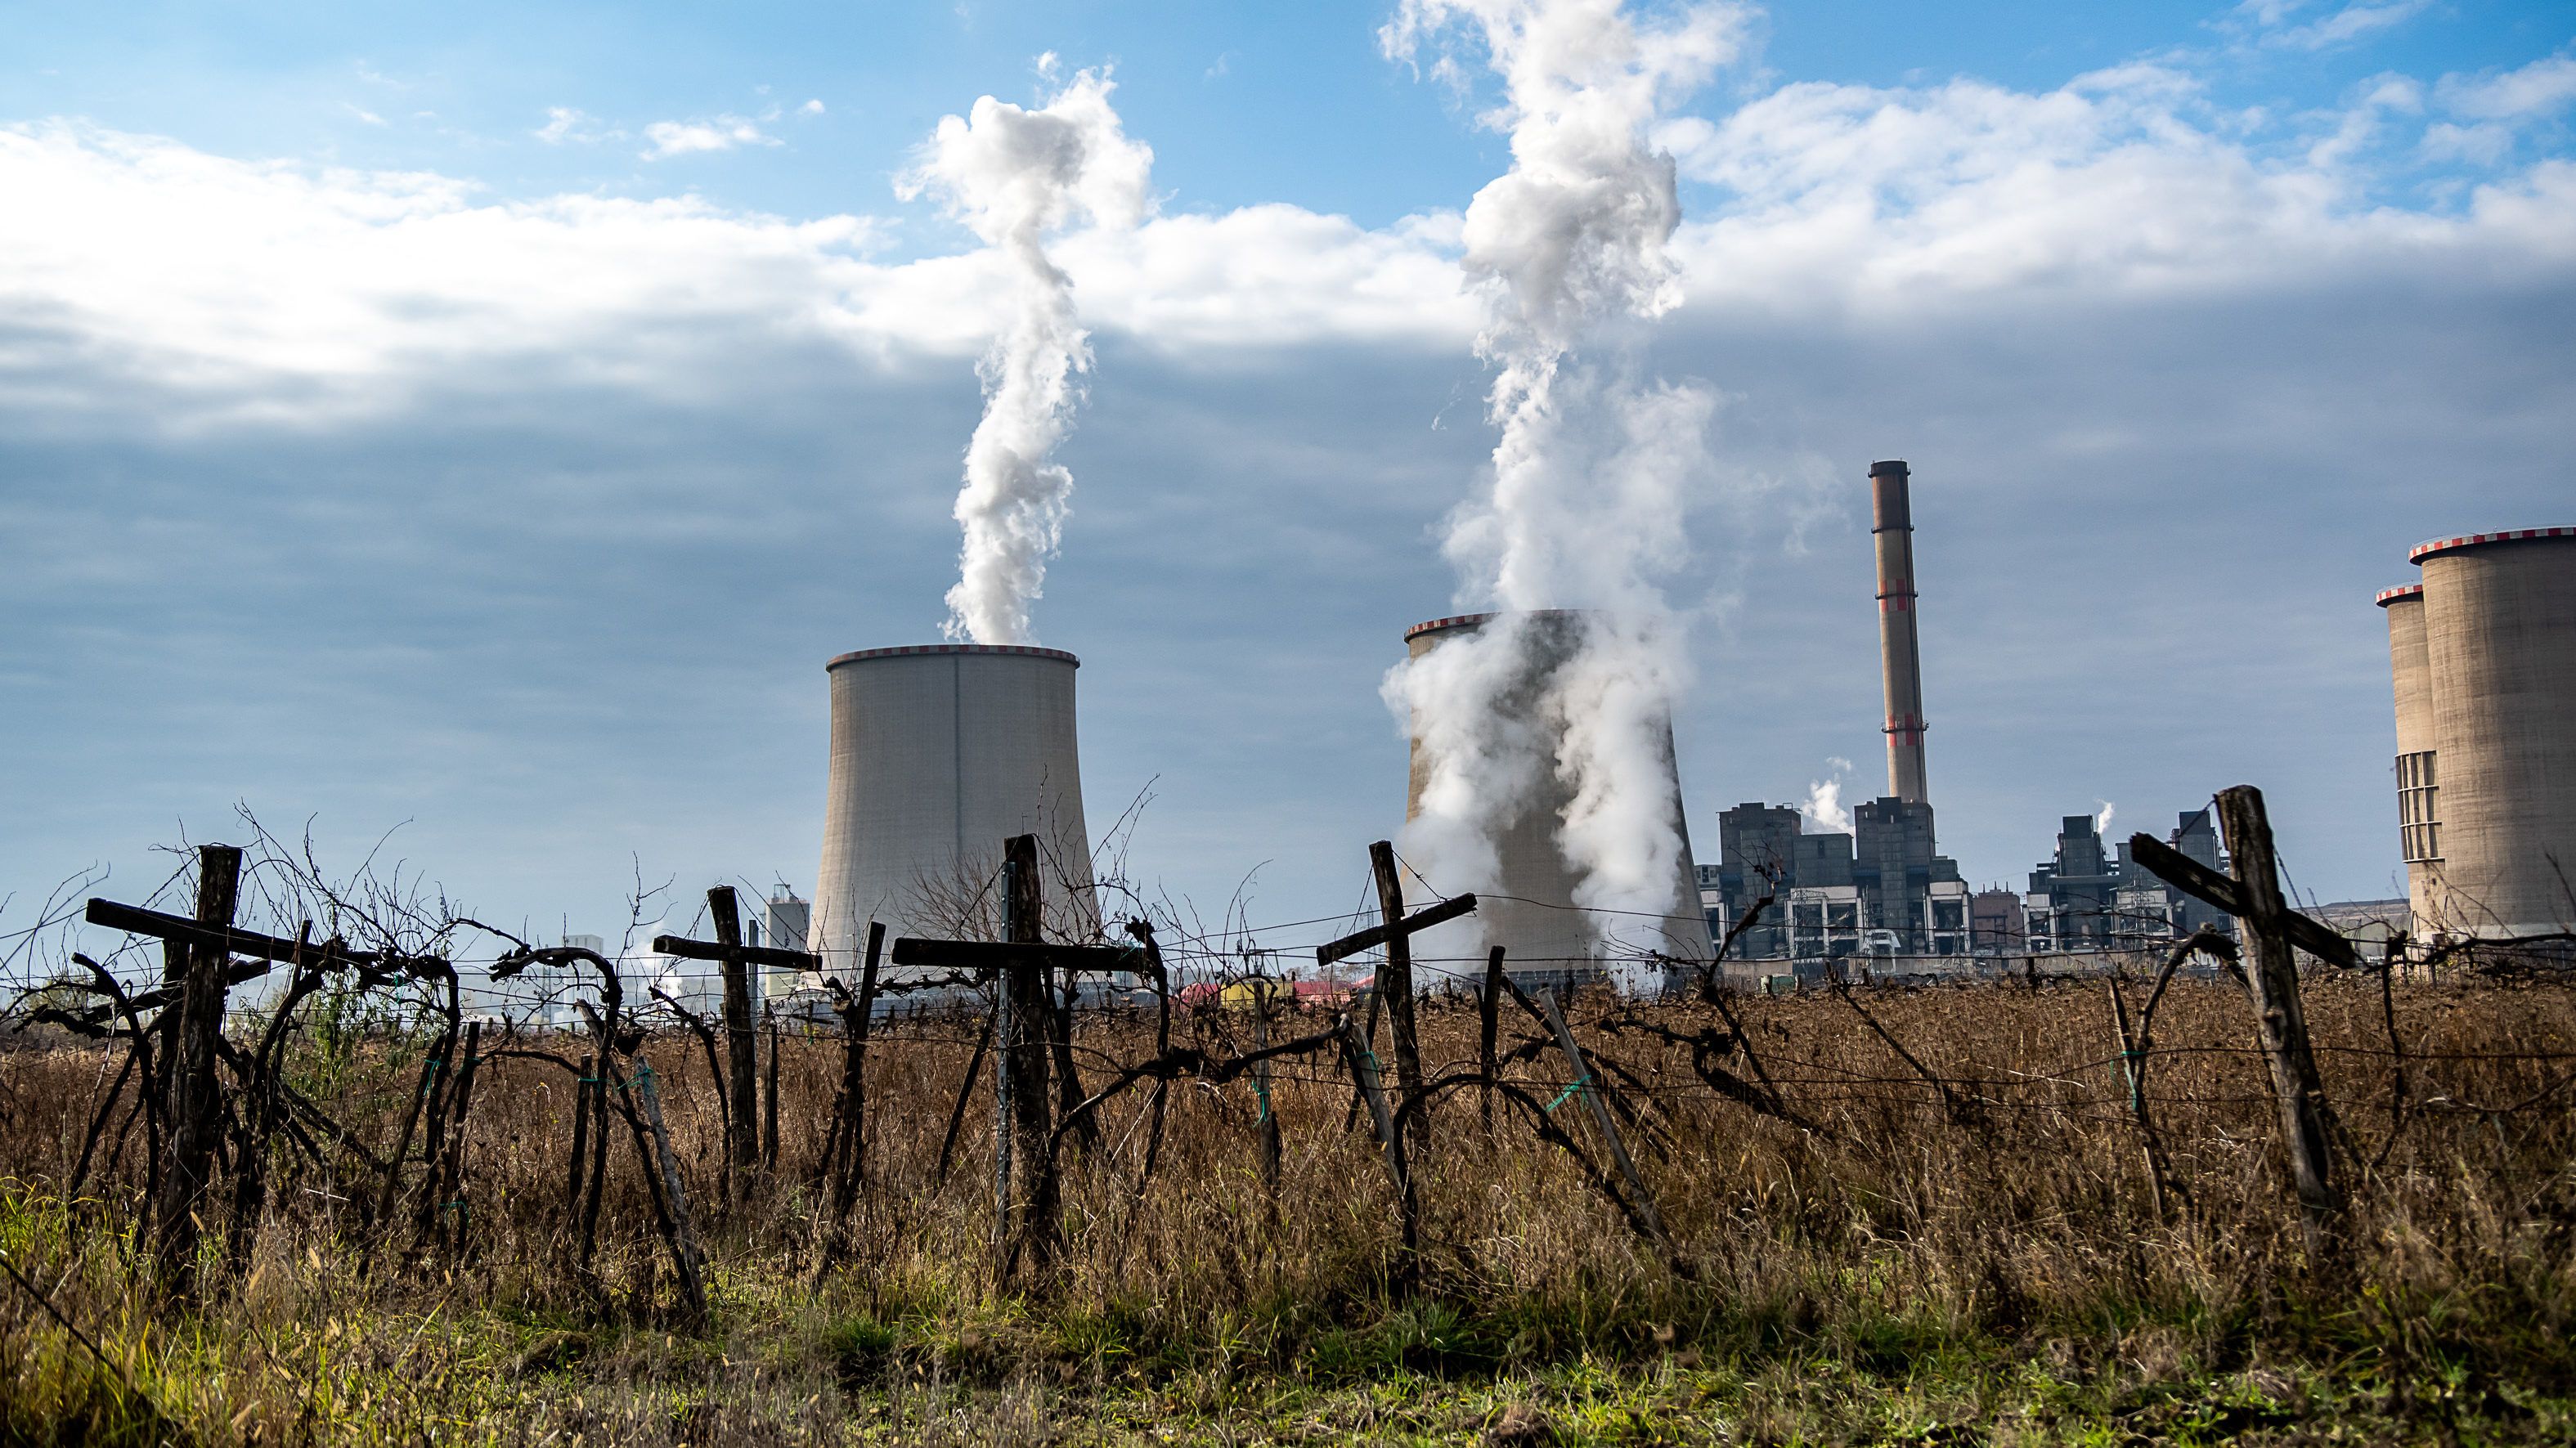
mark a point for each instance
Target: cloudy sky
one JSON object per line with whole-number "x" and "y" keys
{"x": 485, "y": 420}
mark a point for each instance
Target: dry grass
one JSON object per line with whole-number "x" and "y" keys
{"x": 1906, "y": 1273}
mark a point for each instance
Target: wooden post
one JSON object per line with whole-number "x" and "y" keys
{"x": 582, "y": 1088}
{"x": 2273, "y": 976}
{"x": 449, "y": 1192}
{"x": 854, "y": 1082}
{"x": 684, "y": 1237}
{"x": 1269, "y": 1120}
{"x": 1584, "y": 1087}
{"x": 2132, "y": 1064}
{"x": 769, "y": 1098}
{"x": 1363, "y": 1065}
{"x": 742, "y": 1065}
{"x": 1486, "y": 1023}
{"x": 196, "y": 1105}
{"x": 1025, "y": 1077}
{"x": 1395, "y": 984}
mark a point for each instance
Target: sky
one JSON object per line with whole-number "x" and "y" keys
{"x": 473, "y": 426}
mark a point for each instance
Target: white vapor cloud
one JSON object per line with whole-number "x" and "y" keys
{"x": 1013, "y": 175}
{"x": 1823, "y": 806}
{"x": 1592, "y": 463}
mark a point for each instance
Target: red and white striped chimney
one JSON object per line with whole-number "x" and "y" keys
{"x": 1900, "y": 655}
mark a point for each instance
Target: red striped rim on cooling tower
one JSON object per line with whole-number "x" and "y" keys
{"x": 2422, "y": 551}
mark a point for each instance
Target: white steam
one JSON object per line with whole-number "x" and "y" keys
{"x": 2102, "y": 818}
{"x": 1824, "y": 807}
{"x": 1014, "y": 175}
{"x": 1590, "y": 474}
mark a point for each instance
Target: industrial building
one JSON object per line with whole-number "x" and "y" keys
{"x": 1530, "y": 909}
{"x": 2482, "y": 658}
{"x": 1878, "y": 890}
{"x": 2089, "y": 895}
{"x": 939, "y": 753}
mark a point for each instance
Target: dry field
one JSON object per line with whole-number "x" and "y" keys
{"x": 1987, "y": 1260}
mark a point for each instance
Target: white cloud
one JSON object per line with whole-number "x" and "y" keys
{"x": 810, "y": 108}
{"x": 1823, "y": 206}
{"x": 2352, "y": 22}
{"x": 368, "y": 116}
{"x": 720, "y": 133}
{"x": 565, "y": 123}
{"x": 2540, "y": 89}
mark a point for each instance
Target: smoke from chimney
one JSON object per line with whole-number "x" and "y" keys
{"x": 1013, "y": 175}
{"x": 1587, "y": 496}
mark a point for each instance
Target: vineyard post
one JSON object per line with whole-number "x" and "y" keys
{"x": 1269, "y": 1120}
{"x": 1486, "y": 1021}
{"x": 742, "y": 1066}
{"x": 584, "y": 1086}
{"x": 1363, "y": 1066}
{"x": 1395, "y": 984}
{"x": 1584, "y": 1086}
{"x": 1023, "y": 984}
{"x": 684, "y": 1238}
{"x": 2274, "y": 979}
{"x": 196, "y": 1105}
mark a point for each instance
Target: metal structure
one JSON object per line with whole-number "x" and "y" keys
{"x": 1900, "y": 652}
{"x": 2490, "y": 802}
{"x": 1530, "y": 909}
{"x": 939, "y": 753}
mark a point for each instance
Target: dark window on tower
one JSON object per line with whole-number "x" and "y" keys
{"x": 2419, "y": 807}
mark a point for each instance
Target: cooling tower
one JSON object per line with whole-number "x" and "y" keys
{"x": 2411, "y": 669}
{"x": 939, "y": 753}
{"x": 2500, "y": 639}
{"x": 1530, "y": 910}
{"x": 1900, "y": 652}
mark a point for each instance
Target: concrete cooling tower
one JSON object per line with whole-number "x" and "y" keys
{"x": 2492, "y": 818}
{"x": 2410, "y": 668}
{"x": 939, "y": 753}
{"x": 1530, "y": 911}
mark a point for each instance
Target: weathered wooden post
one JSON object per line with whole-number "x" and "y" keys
{"x": 1486, "y": 1022}
{"x": 742, "y": 1065}
{"x": 1363, "y": 1067}
{"x": 1584, "y": 1086}
{"x": 1395, "y": 979}
{"x": 1024, "y": 987}
{"x": 2273, "y": 933}
{"x": 2273, "y": 975}
{"x": 1268, "y": 1123}
{"x": 196, "y": 1106}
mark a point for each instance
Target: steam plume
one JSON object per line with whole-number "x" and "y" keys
{"x": 1013, "y": 175}
{"x": 1587, "y": 500}
{"x": 1824, "y": 806}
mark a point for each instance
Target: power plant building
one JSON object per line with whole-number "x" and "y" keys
{"x": 939, "y": 753}
{"x": 2482, "y": 658}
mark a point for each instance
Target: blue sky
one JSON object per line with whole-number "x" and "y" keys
{"x": 486, "y": 419}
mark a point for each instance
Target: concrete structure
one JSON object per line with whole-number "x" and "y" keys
{"x": 1539, "y": 927}
{"x": 1900, "y": 652}
{"x": 2488, "y": 811}
{"x": 2410, "y": 668}
{"x": 938, "y": 754}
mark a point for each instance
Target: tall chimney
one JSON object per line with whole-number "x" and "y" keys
{"x": 1900, "y": 655}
